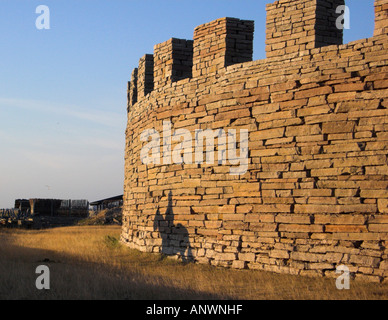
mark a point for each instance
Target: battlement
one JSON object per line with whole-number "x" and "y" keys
{"x": 292, "y": 26}
{"x": 145, "y": 76}
{"x": 297, "y": 25}
{"x": 221, "y": 43}
{"x": 216, "y": 45}
{"x": 132, "y": 89}
{"x": 381, "y": 17}
{"x": 173, "y": 61}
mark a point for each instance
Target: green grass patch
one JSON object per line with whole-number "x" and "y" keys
{"x": 112, "y": 242}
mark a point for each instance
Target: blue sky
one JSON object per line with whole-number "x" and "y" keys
{"x": 63, "y": 90}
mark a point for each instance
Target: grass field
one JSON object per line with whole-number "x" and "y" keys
{"x": 88, "y": 262}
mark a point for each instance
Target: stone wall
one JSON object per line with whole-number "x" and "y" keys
{"x": 315, "y": 192}
{"x": 295, "y": 25}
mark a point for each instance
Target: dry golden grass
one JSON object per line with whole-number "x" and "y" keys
{"x": 88, "y": 262}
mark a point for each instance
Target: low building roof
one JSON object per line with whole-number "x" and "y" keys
{"x": 107, "y": 200}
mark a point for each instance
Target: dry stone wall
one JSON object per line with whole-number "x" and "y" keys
{"x": 314, "y": 195}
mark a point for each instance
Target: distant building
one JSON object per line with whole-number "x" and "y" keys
{"x": 54, "y": 207}
{"x": 107, "y": 203}
{"x": 22, "y": 204}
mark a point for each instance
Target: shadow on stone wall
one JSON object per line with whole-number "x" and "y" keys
{"x": 175, "y": 238}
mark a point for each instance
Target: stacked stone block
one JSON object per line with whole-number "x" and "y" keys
{"x": 145, "y": 77}
{"x": 221, "y": 43}
{"x": 295, "y": 25}
{"x": 173, "y": 61}
{"x": 381, "y": 17}
{"x": 132, "y": 89}
{"x": 315, "y": 192}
